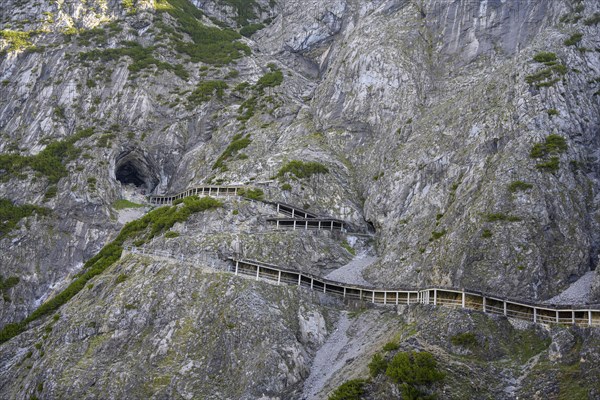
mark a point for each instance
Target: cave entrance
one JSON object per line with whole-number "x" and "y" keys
{"x": 133, "y": 167}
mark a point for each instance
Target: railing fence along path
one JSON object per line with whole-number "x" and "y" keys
{"x": 297, "y": 218}
{"x": 582, "y": 315}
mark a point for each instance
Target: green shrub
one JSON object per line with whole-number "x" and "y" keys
{"x": 16, "y": 40}
{"x": 251, "y": 29}
{"x": 544, "y": 57}
{"x": 11, "y": 214}
{"x": 391, "y": 346}
{"x": 244, "y": 10}
{"x": 548, "y": 76}
{"x": 413, "y": 370}
{"x": 349, "y": 390}
{"x": 553, "y": 144}
{"x": 552, "y": 112}
{"x": 593, "y": 20}
{"x": 122, "y": 204}
{"x": 495, "y": 217}
{"x": 120, "y": 279}
{"x": 270, "y": 79}
{"x": 286, "y": 186}
{"x": 486, "y": 234}
{"x": 254, "y": 194}
{"x": 519, "y": 186}
{"x": 436, "y": 235}
{"x": 465, "y": 339}
{"x": 552, "y": 165}
{"x": 206, "y": 90}
{"x": 301, "y": 169}
{"x": 348, "y": 248}
{"x": 574, "y": 39}
{"x": 171, "y": 234}
{"x": 377, "y": 365}
{"x": 239, "y": 142}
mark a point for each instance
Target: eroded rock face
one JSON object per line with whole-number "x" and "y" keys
{"x": 169, "y": 330}
{"x": 425, "y": 114}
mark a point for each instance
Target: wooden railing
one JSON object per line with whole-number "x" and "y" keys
{"x": 583, "y": 315}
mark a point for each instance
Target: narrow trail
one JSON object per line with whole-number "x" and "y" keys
{"x": 578, "y": 293}
{"x": 329, "y": 359}
{"x": 351, "y": 273}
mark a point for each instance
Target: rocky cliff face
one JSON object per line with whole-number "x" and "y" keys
{"x": 464, "y": 134}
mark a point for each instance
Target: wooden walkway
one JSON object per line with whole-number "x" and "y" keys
{"x": 296, "y": 218}
{"x": 437, "y": 296}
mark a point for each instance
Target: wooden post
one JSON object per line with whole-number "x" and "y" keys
{"x": 217, "y": 191}
{"x": 299, "y": 279}
{"x": 573, "y": 317}
{"x": 332, "y": 225}
{"x": 345, "y": 295}
{"x": 484, "y": 304}
{"x": 277, "y": 224}
{"x": 319, "y": 225}
{"x": 590, "y": 317}
{"x": 435, "y": 297}
{"x": 360, "y": 294}
{"x": 557, "y": 319}
{"x": 294, "y": 225}
{"x": 257, "y": 271}
{"x": 384, "y": 297}
{"x": 293, "y": 210}
{"x": 324, "y": 286}
{"x": 504, "y": 308}
{"x": 277, "y": 208}
{"x": 373, "y": 297}
{"x": 311, "y": 283}
{"x": 279, "y": 278}
{"x": 534, "y": 314}
{"x": 463, "y": 299}
{"x": 236, "y": 267}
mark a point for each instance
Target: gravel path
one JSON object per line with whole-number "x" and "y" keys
{"x": 130, "y": 214}
{"x": 329, "y": 359}
{"x": 352, "y": 272}
{"x": 578, "y": 293}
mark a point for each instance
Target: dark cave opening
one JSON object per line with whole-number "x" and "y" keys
{"x": 133, "y": 167}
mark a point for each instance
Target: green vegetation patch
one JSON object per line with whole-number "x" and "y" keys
{"x": 6, "y": 285}
{"x": 251, "y": 29}
{"x": 519, "y": 186}
{"x": 50, "y": 162}
{"x": 301, "y": 169}
{"x": 349, "y": 390}
{"x": 143, "y": 229}
{"x": 206, "y": 90}
{"x": 142, "y": 57}
{"x": 254, "y": 194}
{"x": 244, "y": 10}
{"x": 465, "y": 339}
{"x": 17, "y": 40}
{"x": 122, "y": 204}
{"x": 270, "y": 79}
{"x": 348, "y": 248}
{"x": 377, "y": 365}
{"x": 209, "y": 44}
{"x": 574, "y": 39}
{"x": 11, "y": 214}
{"x": 238, "y": 143}
{"x": 552, "y": 146}
{"x": 545, "y": 57}
{"x": 551, "y": 74}
{"x": 496, "y": 217}
{"x": 593, "y": 20}
{"x": 413, "y": 371}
